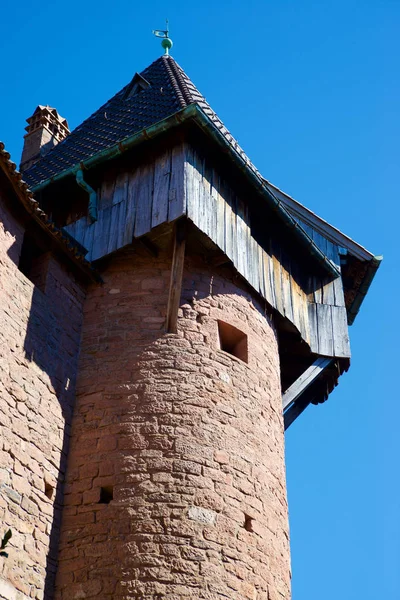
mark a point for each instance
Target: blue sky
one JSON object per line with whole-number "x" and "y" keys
{"x": 311, "y": 91}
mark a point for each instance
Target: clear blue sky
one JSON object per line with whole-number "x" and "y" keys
{"x": 311, "y": 91}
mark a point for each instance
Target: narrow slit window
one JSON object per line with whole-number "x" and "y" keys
{"x": 248, "y": 523}
{"x": 233, "y": 341}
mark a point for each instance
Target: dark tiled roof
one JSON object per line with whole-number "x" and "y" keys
{"x": 25, "y": 196}
{"x": 170, "y": 90}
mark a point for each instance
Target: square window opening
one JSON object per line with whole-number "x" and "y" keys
{"x": 233, "y": 341}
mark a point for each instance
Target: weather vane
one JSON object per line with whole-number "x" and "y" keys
{"x": 167, "y": 42}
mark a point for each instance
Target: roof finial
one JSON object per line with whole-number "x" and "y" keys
{"x": 167, "y": 42}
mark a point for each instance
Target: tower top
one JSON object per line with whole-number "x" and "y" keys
{"x": 166, "y": 40}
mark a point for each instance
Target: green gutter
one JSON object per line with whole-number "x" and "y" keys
{"x": 193, "y": 111}
{"x": 92, "y": 209}
{"x": 373, "y": 266}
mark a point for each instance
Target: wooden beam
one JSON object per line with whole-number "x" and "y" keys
{"x": 297, "y": 388}
{"x": 149, "y": 246}
{"x": 295, "y": 410}
{"x": 175, "y": 285}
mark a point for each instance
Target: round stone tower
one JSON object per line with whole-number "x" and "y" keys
{"x": 176, "y": 479}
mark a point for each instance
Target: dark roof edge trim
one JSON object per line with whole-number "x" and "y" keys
{"x": 323, "y": 227}
{"x": 193, "y": 111}
{"x": 373, "y": 266}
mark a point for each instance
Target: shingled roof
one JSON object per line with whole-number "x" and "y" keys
{"x": 158, "y": 92}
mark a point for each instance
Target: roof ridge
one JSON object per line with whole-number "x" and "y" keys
{"x": 176, "y": 73}
{"x": 169, "y": 63}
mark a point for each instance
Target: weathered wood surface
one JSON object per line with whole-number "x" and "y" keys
{"x": 304, "y": 381}
{"x": 175, "y": 285}
{"x": 329, "y": 330}
{"x": 295, "y": 410}
{"x": 132, "y": 202}
{"x": 218, "y": 211}
{"x": 328, "y": 291}
{"x": 181, "y": 182}
{"x": 319, "y": 314}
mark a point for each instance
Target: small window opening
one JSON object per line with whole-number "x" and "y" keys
{"x": 248, "y": 523}
{"x": 32, "y": 262}
{"x": 106, "y": 494}
{"x": 137, "y": 85}
{"x": 233, "y": 341}
{"x": 48, "y": 490}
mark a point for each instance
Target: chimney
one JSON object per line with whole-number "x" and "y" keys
{"x": 45, "y": 129}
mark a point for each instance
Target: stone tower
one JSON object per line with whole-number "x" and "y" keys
{"x": 210, "y": 309}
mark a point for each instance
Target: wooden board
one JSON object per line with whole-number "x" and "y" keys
{"x": 176, "y": 195}
{"x": 101, "y": 231}
{"x": 133, "y": 192}
{"x": 175, "y": 286}
{"x": 121, "y": 188}
{"x": 162, "y": 176}
{"x": 144, "y": 200}
{"x": 305, "y": 380}
{"x": 180, "y": 182}
{"x": 340, "y": 331}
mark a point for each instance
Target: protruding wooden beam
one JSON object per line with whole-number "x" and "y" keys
{"x": 175, "y": 285}
{"x": 295, "y": 410}
{"x": 305, "y": 380}
{"x": 294, "y": 400}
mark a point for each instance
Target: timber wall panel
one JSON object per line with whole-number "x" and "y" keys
{"x": 134, "y": 202}
{"x": 181, "y": 181}
{"x": 268, "y": 273}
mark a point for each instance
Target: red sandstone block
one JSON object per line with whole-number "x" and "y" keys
{"x": 221, "y": 456}
{"x": 106, "y": 467}
{"x": 106, "y": 481}
{"x": 186, "y": 466}
{"x": 107, "y": 444}
{"x": 91, "y": 496}
{"x": 78, "y": 520}
{"x": 73, "y": 499}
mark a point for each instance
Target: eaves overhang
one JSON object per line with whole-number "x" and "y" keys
{"x": 194, "y": 113}
{"x": 353, "y": 310}
{"x": 60, "y": 240}
{"x": 341, "y": 240}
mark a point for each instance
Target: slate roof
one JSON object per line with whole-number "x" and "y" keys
{"x": 170, "y": 90}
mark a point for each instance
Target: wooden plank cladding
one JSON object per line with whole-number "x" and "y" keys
{"x": 134, "y": 201}
{"x": 224, "y": 217}
{"x": 180, "y": 181}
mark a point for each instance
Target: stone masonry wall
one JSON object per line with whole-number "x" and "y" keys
{"x": 39, "y": 346}
{"x": 175, "y": 484}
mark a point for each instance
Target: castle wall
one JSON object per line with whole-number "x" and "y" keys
{"x": 39, "y": 346}
{"x": 175, "y": 484}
